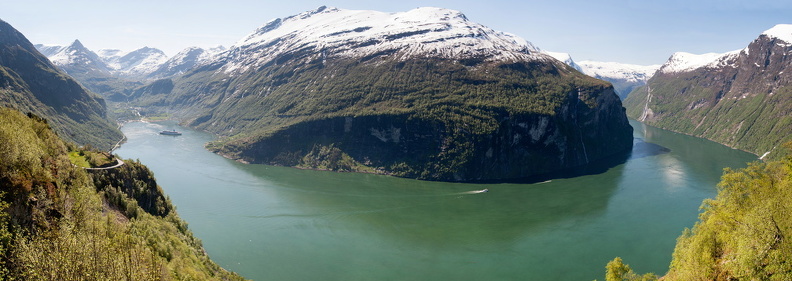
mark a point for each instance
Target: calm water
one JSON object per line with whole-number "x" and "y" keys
{"x": 275, "y": 223}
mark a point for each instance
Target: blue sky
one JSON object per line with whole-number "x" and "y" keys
{"x": 628, "y": 31}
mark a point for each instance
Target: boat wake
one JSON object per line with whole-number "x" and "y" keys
{"x": 475, "y": 191}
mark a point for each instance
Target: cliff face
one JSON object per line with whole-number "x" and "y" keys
{"x": 464, "y": 142}
{"x": 741, "y": 99}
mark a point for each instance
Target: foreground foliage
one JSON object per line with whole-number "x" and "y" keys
{"x": 743, "y": 234}
{"x": 59, "y": 221}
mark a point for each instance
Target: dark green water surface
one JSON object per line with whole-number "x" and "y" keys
{"x": 276, "y": 223}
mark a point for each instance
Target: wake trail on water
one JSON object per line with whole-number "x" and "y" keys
{"x": 472, "y": 192}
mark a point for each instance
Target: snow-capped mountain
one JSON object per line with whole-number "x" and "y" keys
{"x": 615, "y": 70}
{"x": 565, "y": 58}
{"x": 48, "y": 50}
{"x": 77, "y": 58}
{"x": 110, "y": 55}
{"x": 137, "y": 63}
{"x": 184, "y": 61}
{"x": 684, "y": 62}
{"x": 353, "y": 33}
{"x": 624, "y": 77}
{"x": 740, "y": 98}
{"x": 134, "y": 65}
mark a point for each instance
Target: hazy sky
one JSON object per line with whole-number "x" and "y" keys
{"x": 628, "y": 31}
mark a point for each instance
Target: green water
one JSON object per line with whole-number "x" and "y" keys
{"x": 275, "y": 223}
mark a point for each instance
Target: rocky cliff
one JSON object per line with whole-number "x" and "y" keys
{"x": 742, "y": 98}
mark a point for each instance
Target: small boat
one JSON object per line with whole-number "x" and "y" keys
{"x": 485, "y": 190}
{"x": 170, "y": 133}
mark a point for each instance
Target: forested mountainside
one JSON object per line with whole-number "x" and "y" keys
{"x": 60, "y": 221}
{"x": 368, "y": 91}
{"x": 743, "y": 234}
{"x": 30, "y": 83}
{"x": 742, "y": 99}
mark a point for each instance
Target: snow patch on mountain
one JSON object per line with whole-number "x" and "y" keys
{"x": 683, "y": 62}
{"x": 615, "y": 70}
{"x": 138, "y": 62}
{"x": 109, "y": 55}
{"x": 565, "y": 58}
{"x": 186, "y": 60}
{"x": 48, "y": 49}
{"x": 780, "y": 31}
{"x": 433, "y": 32}
{"x": 77, "y": 55}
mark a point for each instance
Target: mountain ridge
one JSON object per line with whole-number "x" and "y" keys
{"x": 29, "y": 82}
{"x": 739, "y": 98}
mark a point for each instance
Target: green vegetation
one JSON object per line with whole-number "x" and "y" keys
{"x": 30, "y": 83}
{"x": 282, "y": 113}
{"x": 62, "y": 222}
{"x": 743, "y": 234}
{"x": 87, "y": 158}
{"x": 78, "y": 158}
{"x": 157, "y": 117}
{"x": 723, "y": 106}
{"x": 445, "y": 90}
{"x": 616, "y": 270}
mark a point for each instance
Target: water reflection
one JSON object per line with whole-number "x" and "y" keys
{"x": 436, "y": 214}
{"x": 689, "y": 153}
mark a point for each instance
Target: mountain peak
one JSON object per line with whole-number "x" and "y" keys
{"x": 780, "y": 31}
{"x": 683, "y": 61}
{"x": 77, "y": 44}
{"x": 427, "y": 31}
{"x": 565, "y": 58}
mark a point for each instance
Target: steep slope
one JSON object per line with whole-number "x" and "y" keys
{"x": 77, "y": 58}
{"x": 62, "y": 222}
{"x": 624, "y": 77}
{"x": 742, "y": 98}
{"x": 30, "y": 83}
{"x": 423, "y": 94}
